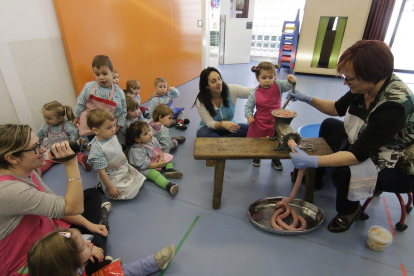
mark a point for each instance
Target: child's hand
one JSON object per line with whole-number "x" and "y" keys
{"x": 250, "y": 120}
{"x": 161, "y": 164}
{"x": 98, "y": 253}
{"x": 168, "y": 88}
{"x": 98, "y": 228}
{"x": 117, "y": 129}
{"x": 76, "y": 122}
{"x": 114, "y": 192}
{"x": 291, "y": 78}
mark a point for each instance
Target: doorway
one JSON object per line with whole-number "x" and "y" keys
{"x": 214, "y": 33}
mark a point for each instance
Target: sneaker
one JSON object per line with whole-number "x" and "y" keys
{"x": 99, "y": 187}
{"x": 186, "y": 121}
{"x": 172, "y": 188}
{"x": 173, "y": 174}
{"x": 165, "y": 256}
{"x": 277, "y": 164}
{"x": 256, "y": 162}
{"x": 180, "y": 126}
{"x": 117, "y": 259}
{"x": 103, "y": 218}
{"x": 107, "y": 205}
{"x": 180, "y": 139}
{"x": 85, "y": 164}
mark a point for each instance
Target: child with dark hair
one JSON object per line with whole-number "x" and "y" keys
{"x": 133, "y": 115}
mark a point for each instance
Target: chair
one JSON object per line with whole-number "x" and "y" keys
{"x": 405, "y": 209}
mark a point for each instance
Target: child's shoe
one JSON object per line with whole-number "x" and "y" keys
{"x": 165, "y": 256}
{"x": 99, "y": 187}
{"x": 179, "y": 139}
{"x": 277, "y": 164}
{"x": 172, "y": 188}
{"x": 256, "y": 162}
{"x": 180, "y": 126}
{"x": 173, "y": 174}
{"x": 186, "y": 121}
{"x": 103, "y": 219}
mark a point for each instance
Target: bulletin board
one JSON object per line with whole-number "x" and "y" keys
{"x": 144, "y": 39}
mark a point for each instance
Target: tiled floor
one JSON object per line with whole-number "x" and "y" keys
{"x": 224, "y": 242}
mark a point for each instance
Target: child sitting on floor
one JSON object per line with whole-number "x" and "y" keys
{"x": 135, "y": 86}
{"x": 65, "y": 251}
{"x": 120, "y": 180}
{"x": 133, "y": 115}
{"x": 58, "y": 129}
{"x": 146, "y": 155}
{"x": 162, "y": 119}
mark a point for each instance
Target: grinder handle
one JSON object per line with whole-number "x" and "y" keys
{"x": 289, "y": 98}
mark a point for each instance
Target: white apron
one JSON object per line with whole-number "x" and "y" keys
{"x": 126, "y": 179}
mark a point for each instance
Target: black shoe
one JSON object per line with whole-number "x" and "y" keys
{"x": 172, "y": 188}
{"x": 179, "y": 139}
{"x": 173, "y": 174}
{"x": 341, "y": 224}
{"x": 186, "y": 121}
{"x": 180, "y": 126}
{"x": 103, "y": 219}
{"x": 277, "y": 164}
{"x": 256, "y": 162}
{"x": 99, "y": 187}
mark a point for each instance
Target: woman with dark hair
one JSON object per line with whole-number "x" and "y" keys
{"x": 374, "y": 145}
{"x": 216, "y": 103}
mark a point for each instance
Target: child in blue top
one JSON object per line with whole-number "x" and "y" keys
{"x": 133, "y": 115}
{"x": 164, "y": 95}
{"x": 162, "y": 119}
{"x": 146, "y": 155}
{"x": 58, "y": 129}
{"x": 103, "y": 71}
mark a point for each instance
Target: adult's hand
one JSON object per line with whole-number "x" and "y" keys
{"x": 62, "y": 150}
{"x": 301, "y": 160}
{"x": 299, "y": 96}
{"x": 230, "y": 126}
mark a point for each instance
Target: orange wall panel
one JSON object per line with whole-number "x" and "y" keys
{"x": 144, "y": 39}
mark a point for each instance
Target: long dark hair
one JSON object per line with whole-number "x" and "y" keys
{"x": 134, "y": 131}
{"x": 204, "y": 95}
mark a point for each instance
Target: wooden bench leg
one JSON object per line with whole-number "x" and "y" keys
{"x": 218, "y": 183}
{"x": 310, "y": 174}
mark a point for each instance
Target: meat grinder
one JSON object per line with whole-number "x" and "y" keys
{"x": 283, "y": 131}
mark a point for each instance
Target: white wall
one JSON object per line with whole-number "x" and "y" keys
{"x": 33, "y": 64}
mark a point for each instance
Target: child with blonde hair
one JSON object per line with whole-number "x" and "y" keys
{"x": 115, "y": 78}
{"x": 102, "y": 94}
{"x": 133, "y": 115}
{"x": 57, "y": 129}
{"x": 64, "y": 252}
{"x": 159, "y": 127}
{"x": 146, "y": 155}
{"x": 119, "y": 180}
{"x": 165, "y": 95}
{"x": 266, "y": 98}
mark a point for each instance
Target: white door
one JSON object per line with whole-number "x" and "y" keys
{"x": 237, "y": 33}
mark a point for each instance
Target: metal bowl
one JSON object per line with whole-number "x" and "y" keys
{"x": 260, "y": 212}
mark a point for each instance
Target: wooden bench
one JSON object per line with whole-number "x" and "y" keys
{"x": 217, "y": 150}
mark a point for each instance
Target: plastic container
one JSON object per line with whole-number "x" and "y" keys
{"x": 309, "y": 131}
{"x": 379, "y": 238}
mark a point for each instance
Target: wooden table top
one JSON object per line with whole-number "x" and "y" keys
{"x": 250, "y": 148}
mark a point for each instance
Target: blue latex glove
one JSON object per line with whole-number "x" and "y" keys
{"x": 301, "y": 160}
{"x": 299, "y": 96}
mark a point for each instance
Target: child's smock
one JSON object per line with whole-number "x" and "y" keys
{"x": 107, "y": 154}
{"x": 104, "y": 93}
{"x": 164, "y": 99}
{"x": 65, "y": 131}
{"x": 121, "y": 133}
{"x": 162, "y": 133}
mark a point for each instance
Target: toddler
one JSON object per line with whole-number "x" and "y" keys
{"x": 64, "y": 252}
{"x": 115, "y": 78}
{"x": 58, "y": 129}
{"x": 162, "y": 119}
{"x": 145, "y": 154}
{"x": 135, "y": 86}
{"x": 102, "y": 94}
{"x": 119, "y": 180}
{"x": 133, "y": 115}
{"x": 165, "y": 95}
{"x": 129, "y": 93}
{"x": 266, "y": 97}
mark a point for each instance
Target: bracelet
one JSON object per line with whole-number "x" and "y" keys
{"x": 72, "y": 179}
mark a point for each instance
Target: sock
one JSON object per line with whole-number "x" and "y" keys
{"x": 180, "y": 121}
{"x": 158, "y": 178}
{"x": 169, "y": 165}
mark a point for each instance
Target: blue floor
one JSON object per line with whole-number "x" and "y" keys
{"x": 224, "y": 242}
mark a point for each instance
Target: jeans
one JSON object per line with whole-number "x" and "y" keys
{"x": 141, "y": 267}
{"x": 209, "y": 132}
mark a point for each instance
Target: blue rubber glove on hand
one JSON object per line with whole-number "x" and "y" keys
{"x": 301, "y": 160}
{"x": 299, "y": 96}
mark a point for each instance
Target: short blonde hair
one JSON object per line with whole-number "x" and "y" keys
{"x": 161, "y": 110}
{"x": 158, "y": 80}
{"x": 131, "y": 104}
{"x": 96, "y": 117}
{"x": 134, "y": 84}
{"x": 13, "y": 138}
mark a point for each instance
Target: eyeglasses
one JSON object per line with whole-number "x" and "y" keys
{"x": 36, "y": 148}
{"x": 348, "y": 81}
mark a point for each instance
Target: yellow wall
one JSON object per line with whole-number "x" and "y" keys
{"x": 144, "y": 39}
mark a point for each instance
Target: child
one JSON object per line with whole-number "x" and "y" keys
{"x": 115, "y": 78}
{"x": 64, "y": 251}
{"x": 146, "y": 155}
{"x": 58, "y": 129}
{"x": 120, "y": 180}
{"x": 266, "y": 97}
{"x": 162, "y": 116}
{"x": 133, "y": 115}
{"x": 129, "y": 93}
{"x": 165, "y": 95}
{"x": 96, "y": 94}
{"x": 135, "y": 86}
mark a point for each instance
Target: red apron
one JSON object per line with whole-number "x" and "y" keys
{"x": 15, "y": 246}
{"x": 267, "y": 100}
{"x": 95, "y": 102}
